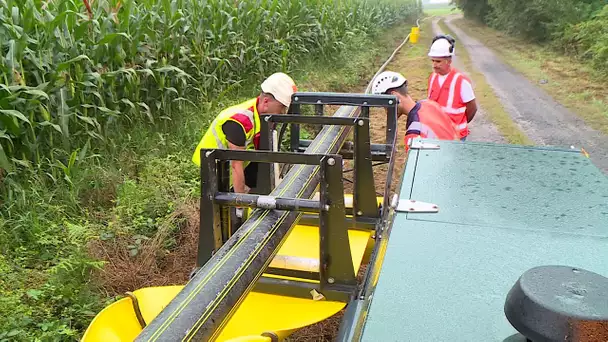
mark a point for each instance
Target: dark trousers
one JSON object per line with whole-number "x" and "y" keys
{"x": 251, "y": 175}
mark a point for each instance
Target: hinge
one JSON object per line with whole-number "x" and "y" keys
{"x": 413, "y": 206}
{"x": 420, "y": 145}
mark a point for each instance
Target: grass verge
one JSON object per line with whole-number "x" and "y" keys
{"x": 488, "y": 100}
{"x": 577, "y": 86}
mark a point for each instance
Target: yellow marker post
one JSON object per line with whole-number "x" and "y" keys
{"x": 414, "y": 34}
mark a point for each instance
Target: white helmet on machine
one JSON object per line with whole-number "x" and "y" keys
{"x": 387, "y": 80}
{"x": 443, "y": 46}
{"x": 281, "y": 86}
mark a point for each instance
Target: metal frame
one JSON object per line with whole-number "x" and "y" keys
{"x": 231, "y": 259}
{"x": 364, "y": 101}
{"x": 336, "y": 271}
{"x": 217, "y": 225}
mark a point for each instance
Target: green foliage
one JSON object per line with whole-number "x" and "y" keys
{"x": 474, "y": 9}
{"x": 70, "y": 76}
{"x": 143, "y": 204}
{"x": 44, "y": 291}
{"x": 538, "y": 20}
{"x": 589, "y": 40}
{"x": 576, "y": 27}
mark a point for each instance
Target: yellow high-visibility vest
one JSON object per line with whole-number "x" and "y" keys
{"x": 246, "y": 115}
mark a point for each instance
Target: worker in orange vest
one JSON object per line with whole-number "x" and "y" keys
{"x": 449, "y": 87}
{"x": 425, "y": 119}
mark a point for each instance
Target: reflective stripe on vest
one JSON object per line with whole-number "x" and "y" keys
{"x": 245, "y": 114}
{"x": 428, "y": 120}
{"x": 448, "y": 96}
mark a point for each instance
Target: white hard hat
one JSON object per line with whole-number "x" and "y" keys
{"x": 281, "y": 87}
{"x": 441, "y": 47}
{"x": 387, "y": 80}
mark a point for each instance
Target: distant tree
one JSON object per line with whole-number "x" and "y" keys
{"x": 539, "y": 20}
{"x": 474, "y": 9}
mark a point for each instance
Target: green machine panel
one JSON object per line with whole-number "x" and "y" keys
{"x": 503, "y": 209}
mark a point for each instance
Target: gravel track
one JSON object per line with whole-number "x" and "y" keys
{"x": 544, "y": 120}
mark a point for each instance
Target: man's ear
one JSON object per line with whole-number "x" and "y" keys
{"x": 264, "y": 102}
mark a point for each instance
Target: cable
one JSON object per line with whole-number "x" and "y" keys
{"x": 369, "y": 86}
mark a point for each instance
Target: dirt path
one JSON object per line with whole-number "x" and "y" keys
{"x": 544, "y": 120}
{"x": 481, "y": 128}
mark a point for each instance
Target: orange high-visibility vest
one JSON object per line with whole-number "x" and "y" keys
{"x": 448, "y": 96}
{"x": 428, "y": 120}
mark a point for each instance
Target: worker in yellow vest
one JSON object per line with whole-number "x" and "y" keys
{"x": 238, "y": 128}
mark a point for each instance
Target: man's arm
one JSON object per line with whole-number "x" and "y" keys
{"x": 468, "y": 97}
{"x": 471, "y": 110}
{"x": 238, "y": 173}
{"x": 236, "y": 141}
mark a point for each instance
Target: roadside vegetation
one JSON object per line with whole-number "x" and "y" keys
{"x": 562, "y": 45}
{"x": 577, "y": 28}
{"x": 101, "y": 105}
{"x": 488, "y": 100}
{"x": 575, "y": 84}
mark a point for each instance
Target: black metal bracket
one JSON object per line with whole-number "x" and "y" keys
{"x": 365, "y": 101}
{"x": 335, "y": 268}
{"x": 363, "y": 204}
{"x": 362, "y": 151}
{"x": 344, "y": 99}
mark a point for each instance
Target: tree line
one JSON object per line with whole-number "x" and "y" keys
{"x": 576, "y": 27}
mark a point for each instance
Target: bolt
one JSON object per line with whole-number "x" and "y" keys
{"x": 319, "y": 101}
{"x": 412, "y": 209}
{"x": 267, "y": 118}
{"x": 331, "y": 280}
{"x": 296, "y": 99}
{"x": 331, "y": 161}
{"x": 326, "y": 207}
{"x": 365, "y": 102}
{"x": 359, "y": 213}
{"x": 360, "y": 123}
{"x": 390, "y": 101}
{"x": 208, "y": 154}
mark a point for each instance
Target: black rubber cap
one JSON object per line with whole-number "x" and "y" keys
{"x": 558, "y": 303}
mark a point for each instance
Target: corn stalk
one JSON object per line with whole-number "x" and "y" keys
{"x": 73, "y": 71}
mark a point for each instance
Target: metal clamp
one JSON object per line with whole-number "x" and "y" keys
{"x": 413, "y": 206}
{"x": 420, "y": 145}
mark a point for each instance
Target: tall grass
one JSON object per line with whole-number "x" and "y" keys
{"x": 73, "y": 71}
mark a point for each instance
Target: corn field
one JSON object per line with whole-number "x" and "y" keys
{"x": 74, "y": 71}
